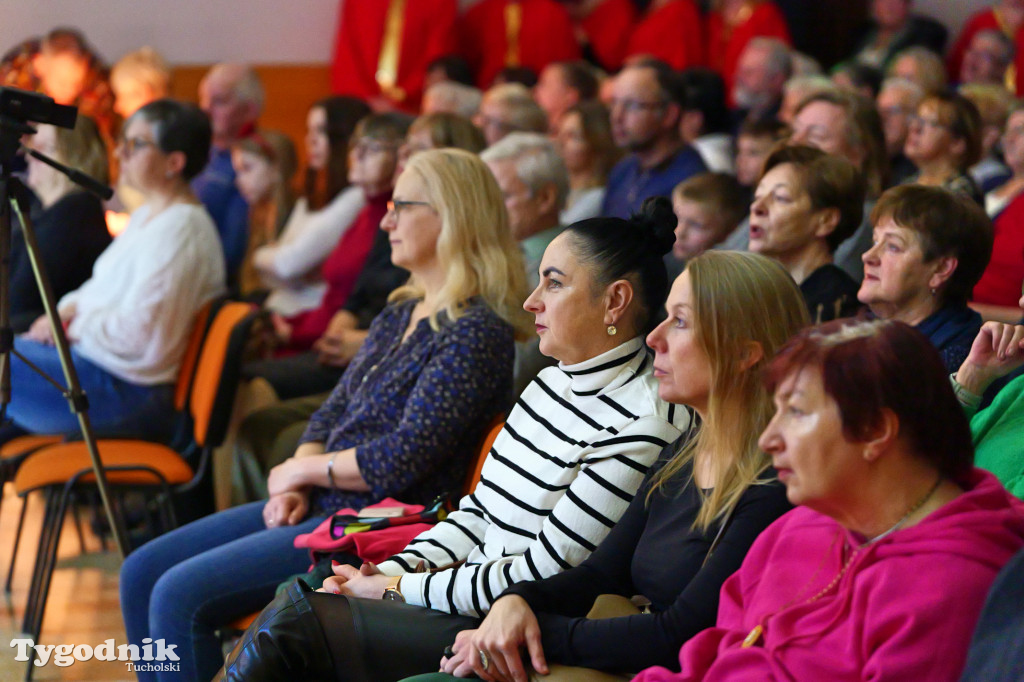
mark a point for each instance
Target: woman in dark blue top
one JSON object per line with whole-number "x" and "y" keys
{"x": 403, "y": 421}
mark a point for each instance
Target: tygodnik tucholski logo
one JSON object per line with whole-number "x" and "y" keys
{"x": 152, "y": 656}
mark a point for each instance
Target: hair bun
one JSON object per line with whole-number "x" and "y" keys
{"x": 657, "y": 222}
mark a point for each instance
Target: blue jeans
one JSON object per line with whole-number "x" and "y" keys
{"x": 185, "y": 584}
{"x": 115, "y": 405}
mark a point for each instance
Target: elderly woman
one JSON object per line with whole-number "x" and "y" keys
{"x": 437, "y": 131}
{"x": 882, "y": 571}
{"x": 560, "y": 474}
{"x": 806, "y": 204}
{"x": 699, "y": 509}
{"x": 944, "y": 141}
{"x": 69, "y": 225}
{"x": 129, "y": 322}
{"x": 584, "y": 139}
{"x": 403, "y": 421}
{"x": 930, "y": 248}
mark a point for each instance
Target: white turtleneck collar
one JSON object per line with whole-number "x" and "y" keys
{"x": 609, "y": 370}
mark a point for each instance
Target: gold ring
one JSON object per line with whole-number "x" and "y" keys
{"x": 485, "y": 660}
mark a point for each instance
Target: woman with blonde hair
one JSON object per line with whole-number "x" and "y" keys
{"x": 69, "y": 225}
{"x": 265, "y": 163}
{"x": 698, "y": 511}
{"x": 403, "y": 421}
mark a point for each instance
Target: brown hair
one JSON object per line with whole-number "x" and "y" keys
{"x": 597, "y": 130}
{"x": 964, "y": 123}
{"x": 450, "y": 130}
{"x": 720, "y": 194}
{"x": 82, "y": 148}
{"x": 830, "y": 181}
{"x": 947, "y": 224}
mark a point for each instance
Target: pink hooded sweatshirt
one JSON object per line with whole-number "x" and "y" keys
{"x": 904, "y": 610}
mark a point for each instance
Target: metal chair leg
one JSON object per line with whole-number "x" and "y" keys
{"x": 17, "y": 542}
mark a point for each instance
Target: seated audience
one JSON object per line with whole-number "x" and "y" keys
{"x": 708, "y": 207}
{"x": 847, "y": 125}
{"x": 232, "y": 96}
{"x": 919, "y": 65}
{"x": 797, "y": 89}
{"x": 62, "y": 65}
{"x": 69, "y": 225}
{"x": 986, "y": 59}
{"x": 763, "y": 68}
{"x": 529, "y": 33}
{"x": 509, "y": 108}
{"x": 139, "y": 78}
{"x": 401, "y": 423}
{"x": 882, "y": 570}
{"x": 897, "y": 104}
{"x": 647, "y": 104}
{"x": 289, "y": 266}
{"x": 997, "y": 429}
{"x": 264, "y": 164}
{"x": 944, "y": 141}
{"x": 670, "y": 31}
{"x": 563, "y": 85}
{"x": 807, "y": 203}
{"x": 584, "y": 140}
{"x": 383, "y": 49}
{"x": 1002, "y": 15}
{"x": 930, "y": 248}
{"x": 698, "y": 511}
{"x": 373, "y": 158}
{"x": 993, "y": 103}
{"x": 452, "y": 98}
{"x": 892, "y": 28}
{"x": 732, "y": 25}
{"x": 551, "y": 488}
{"x": 129, "y": 323}
{"x": 997, "y": 290}
{"x": 706, "y": 123}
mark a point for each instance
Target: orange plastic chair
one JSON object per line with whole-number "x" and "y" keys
{"x": 57, "y": 470}
{"x": 14, "y": 452}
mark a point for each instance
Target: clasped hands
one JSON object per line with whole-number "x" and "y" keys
{"x": 510, "y": 626}
{"x": 288, "y": 486}
{"x": 366, "y": 581}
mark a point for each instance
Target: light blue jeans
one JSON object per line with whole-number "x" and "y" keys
{"x": 185, "y": 584}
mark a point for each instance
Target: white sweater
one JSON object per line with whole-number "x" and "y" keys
{"x": 290, "y": 266}
{"x": 134, "y": 315}
{"x": 560, "y": 474}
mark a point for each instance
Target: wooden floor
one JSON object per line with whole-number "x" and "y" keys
{"x": 83, "y": 607}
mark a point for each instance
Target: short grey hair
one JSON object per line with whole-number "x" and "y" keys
{"x": 524, "y": 113}
{"x": 808, "y": 85}
{"x": 778, "y": 55}
{"x": 907, "y": 86}
{"x": 454, "y": 98}
{"x": 248, "y": 87}
{"x": 537, "y": 162}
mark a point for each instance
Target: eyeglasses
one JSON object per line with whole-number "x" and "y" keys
{"x": 364, "y": 147}
{"x": 130, "y": 145}
{"x": 396, "y": 206}
{"x": 916, "y": 120}
{"x": 634, "y": 105}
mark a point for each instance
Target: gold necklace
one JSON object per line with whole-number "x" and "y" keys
{"x": 755, "y": 634}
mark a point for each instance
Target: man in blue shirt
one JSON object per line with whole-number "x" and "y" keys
{"x": 647, "y": 102}
{"x": 232, "y": 96}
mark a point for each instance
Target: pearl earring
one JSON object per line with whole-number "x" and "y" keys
{"x": 612, "y": 331}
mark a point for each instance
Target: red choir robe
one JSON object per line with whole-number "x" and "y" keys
{"x": 608, "y": 28}
{"x": 985, "y": 20}
{"x": 546, "y": 35}
{"x": 724, "y": 47}
{"x": 428, "y": 32}
{"x": 672, "y": 34}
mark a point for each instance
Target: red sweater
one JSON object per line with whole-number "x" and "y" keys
{"x": 340, "y": 271}
{"x": 1000, "y": 283}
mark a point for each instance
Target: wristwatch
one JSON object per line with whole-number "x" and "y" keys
{"x": 391, "y": 592}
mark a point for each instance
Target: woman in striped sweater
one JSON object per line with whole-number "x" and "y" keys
{"x": 572, "y": 454}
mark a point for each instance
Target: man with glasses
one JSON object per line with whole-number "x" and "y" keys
{"x": 647, "y": 102}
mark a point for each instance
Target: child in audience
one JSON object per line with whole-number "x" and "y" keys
{"x": 708, "y": 207}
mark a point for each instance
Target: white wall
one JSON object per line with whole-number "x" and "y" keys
{"x": 185, "y": 31}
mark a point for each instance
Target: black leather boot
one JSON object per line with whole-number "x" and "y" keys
{"x": 285, "y": 642}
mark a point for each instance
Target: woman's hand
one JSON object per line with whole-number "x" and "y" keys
{"x": 997, "y": 350}
{"x": 285, "y": 509}
{"x": 366, "y": 581}
{"x": 509, "y": 626}
{"x": 294, "y": 474}
{"x": 338, "y": 348}
{"x": 282, "y": 329}
{"x": 40, "y": 331}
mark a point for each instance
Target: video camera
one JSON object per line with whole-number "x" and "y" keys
{"x": 18, "y": 107}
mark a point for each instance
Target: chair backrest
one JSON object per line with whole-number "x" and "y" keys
{"x": 473, "y": 476}
{"x": 186, "y": 373}
{"x": 216, "y": 376}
